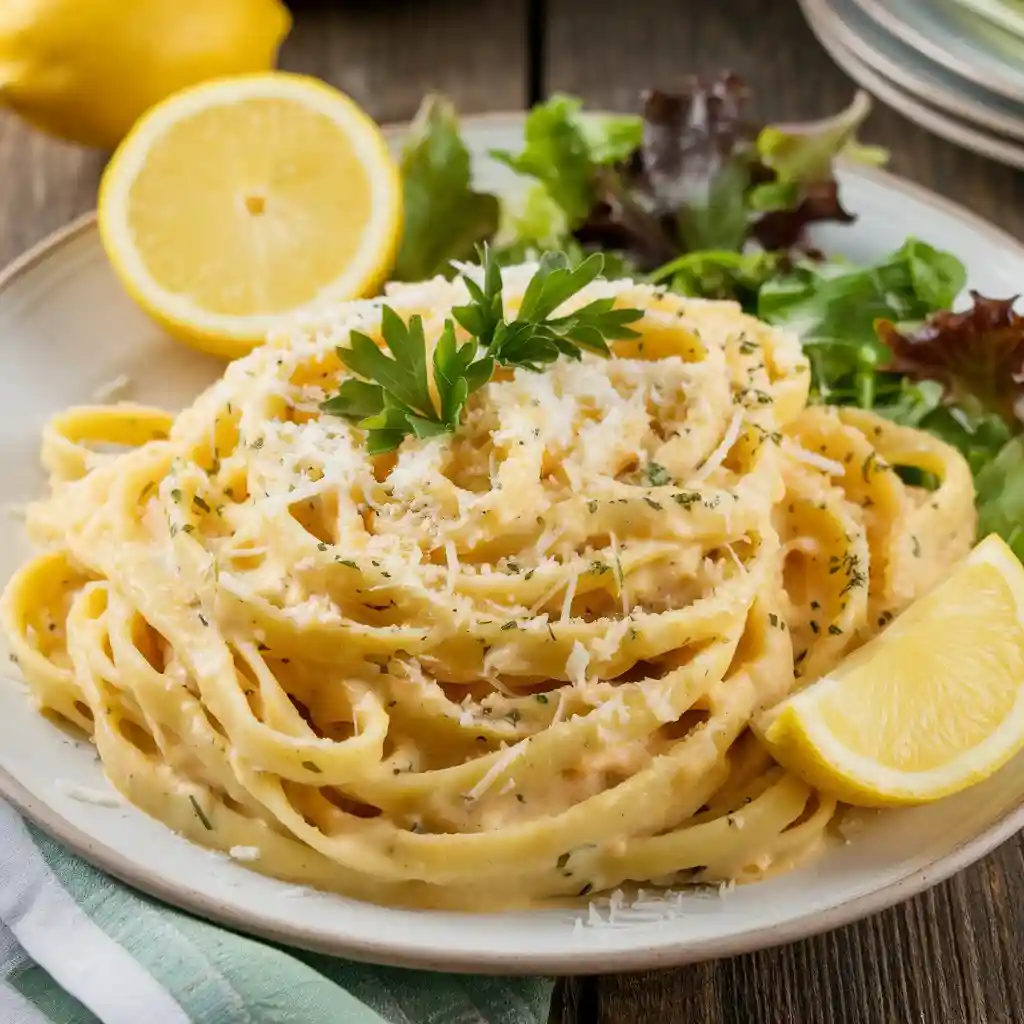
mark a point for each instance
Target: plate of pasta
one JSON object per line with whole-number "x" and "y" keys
{"x": 490, "y": 692}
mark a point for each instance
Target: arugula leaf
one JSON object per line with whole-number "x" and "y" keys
{"x": 721, "y": 274}
{"x": 1000, "y": 487}
{"x": 444, "y": 217}
{"x": 978, "y": 436}
{"x": 913, "y": 402}
{"x": 833, "y": 306}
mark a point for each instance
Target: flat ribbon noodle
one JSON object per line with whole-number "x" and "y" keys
{"x": 524, "y": 662}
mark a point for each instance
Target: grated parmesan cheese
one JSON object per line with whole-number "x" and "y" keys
{"x": 500, "y": 765}
{"x": 454, "y": 565}
{"x": 244, "y": 853}
{"x": 576, "y": 664}
{"x": 112, "y": 389}
{"x": 659, "y": 704}
{"x": 646, "y": 908}
{"x": 829, "y": 466}
{"x": 88, "y": 795}
{"x": 732, "y": 554}
{"x": 570, "y": 593}
{"x": 717, "y": 457}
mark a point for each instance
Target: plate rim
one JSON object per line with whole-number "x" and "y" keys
{"x": 908, "y": 78}
{"x": 913, "y": 37}
{"x": 568, "y": 962}
{"x": 942, "y": 124}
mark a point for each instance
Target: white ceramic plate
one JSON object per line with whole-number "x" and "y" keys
{"x": 998, "y": 12}
{"x": 913, "y": 71}
{"x": 956, "y": 40}
{"x": 67, "y": 328}
{"x": 959, "y": 132}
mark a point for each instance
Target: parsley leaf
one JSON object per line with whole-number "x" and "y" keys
{"x": 658, "y": 475}
{"x": 399, "y": 403}
{"x": 533, "y": 340}
{"x": 483, "y": 315}
{"x": 393, "y": 400}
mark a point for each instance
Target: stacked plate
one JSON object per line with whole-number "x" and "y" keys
{"x": 956, "y": 67}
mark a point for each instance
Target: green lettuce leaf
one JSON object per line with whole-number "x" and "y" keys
{"x": 721, "y": 274}
{"x": 531, "y": 226}
{"x": 802, "y": 154}
{"x": 833, "y": 306}
{"x": 445, "y": 219}
{"x": 1000, "y": 487}
{"x": 563, "y": 151}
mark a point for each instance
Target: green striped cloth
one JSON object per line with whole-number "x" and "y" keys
{"x": 76, "y": 947}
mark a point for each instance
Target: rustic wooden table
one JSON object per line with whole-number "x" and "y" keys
{"x": 955, "y": 954}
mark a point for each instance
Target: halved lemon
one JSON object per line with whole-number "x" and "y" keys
{"x": 931, "y": 706}
{"x": 234, "y": 203}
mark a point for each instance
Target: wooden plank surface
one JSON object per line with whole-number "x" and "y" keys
{"x": 956, "y": 954}
{"x": 386, "y": 55}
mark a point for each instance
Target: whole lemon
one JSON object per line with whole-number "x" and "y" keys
{"x": 86, "y": 69}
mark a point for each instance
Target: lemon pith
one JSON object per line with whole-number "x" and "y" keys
{"x": 933, "y": 705}
{"x": 238, "y": 202}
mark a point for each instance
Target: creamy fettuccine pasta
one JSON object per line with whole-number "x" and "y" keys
{"x": 526, "y": 660}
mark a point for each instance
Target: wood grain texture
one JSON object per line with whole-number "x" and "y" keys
{"x": 608, "y": 52}
{"x": 954, "y": 955}
{"x": 43, "y": 184}
{"x": 386, "y": 55}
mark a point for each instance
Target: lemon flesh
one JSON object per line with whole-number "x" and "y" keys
{"x": 929, "y": 707}
{"x": 237, "y": 203}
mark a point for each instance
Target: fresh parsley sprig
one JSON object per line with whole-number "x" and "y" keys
{"x": 535, "y": 339}
{"x": 393, "y": 399}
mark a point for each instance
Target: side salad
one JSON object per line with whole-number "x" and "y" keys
{"x": 692, "y": 195}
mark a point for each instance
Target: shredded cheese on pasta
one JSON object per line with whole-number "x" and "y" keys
{"x": 512, "y": 664}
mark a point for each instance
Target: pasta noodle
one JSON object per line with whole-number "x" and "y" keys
{"x": 525, "y": 661}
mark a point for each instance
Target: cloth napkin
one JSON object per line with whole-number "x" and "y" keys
{"x": 77, "y": 947}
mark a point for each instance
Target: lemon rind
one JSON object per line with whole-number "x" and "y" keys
{"x": 803, "y": 742}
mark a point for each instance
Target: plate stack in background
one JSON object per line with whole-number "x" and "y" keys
{"x": 955, "y": 67}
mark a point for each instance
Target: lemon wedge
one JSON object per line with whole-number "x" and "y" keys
{"x": 235, "y": 203}
{"x": 929, "y": 707}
